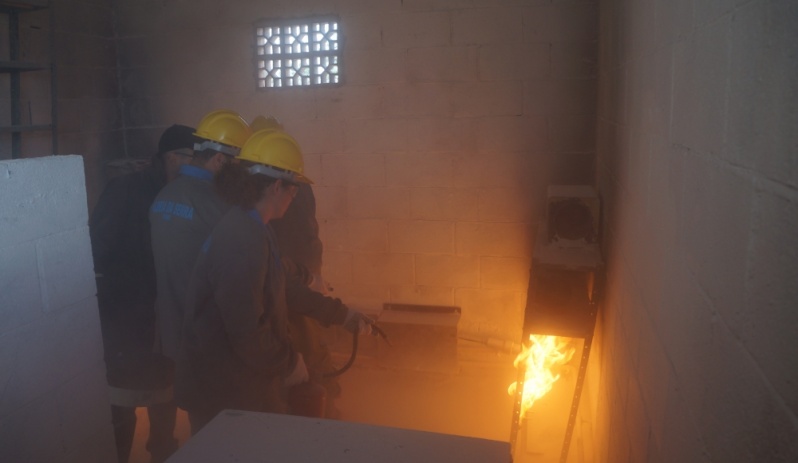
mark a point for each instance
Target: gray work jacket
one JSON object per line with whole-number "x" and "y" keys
{"x": 181, "y": 219}
{"x": 236, "y": 343}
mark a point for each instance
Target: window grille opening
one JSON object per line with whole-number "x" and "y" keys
{"x": 297, "y": 53}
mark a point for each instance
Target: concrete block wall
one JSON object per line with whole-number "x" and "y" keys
{"x": 697, "y": 165}
{"x": 89, "y": 114}
{"x": 431, "y": 160}
{"x": 53, "y": 396}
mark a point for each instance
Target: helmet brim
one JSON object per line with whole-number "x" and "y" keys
{"x": 278, "y": 173}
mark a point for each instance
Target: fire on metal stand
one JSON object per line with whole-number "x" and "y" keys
{"x": 561, "y": 308}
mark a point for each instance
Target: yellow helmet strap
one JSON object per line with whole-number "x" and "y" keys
{"x": 274, "y": 172}
{"x": 216, "y": 146}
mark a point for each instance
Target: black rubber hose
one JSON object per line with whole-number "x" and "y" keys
{"x": 349, "y": 363}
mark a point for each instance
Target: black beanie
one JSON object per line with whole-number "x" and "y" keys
{"x": 176, "y": 137}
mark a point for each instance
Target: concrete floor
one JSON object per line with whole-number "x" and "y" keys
{"x": 470, "y": 400}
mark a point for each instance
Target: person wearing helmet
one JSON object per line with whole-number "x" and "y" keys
{"x": 236, "y": 350}
{"x": 266, "y": 123}
{"x": 181, "y": 218}
{"x": 119, "y": 228}
{"x": 297, "y": 234}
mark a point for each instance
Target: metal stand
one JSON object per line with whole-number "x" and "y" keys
{"x": 519, "y": 395}
{"x": 564, "y": 284}
{"x": 580, "y": 382}
{"x": 560, "y": 302}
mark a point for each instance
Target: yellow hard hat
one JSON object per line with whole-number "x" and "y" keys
{"x": 224, "y": 131}
{"x": 265, "y": 122}
{"x": 275, "y": 154}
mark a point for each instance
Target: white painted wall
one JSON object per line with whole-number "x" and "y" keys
{"x": 698, "y": 166}
{"x": 53, "y": 398}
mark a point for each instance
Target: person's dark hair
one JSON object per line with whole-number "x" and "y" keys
{"x": 173, "y": 138}
{"x": 236, "y": 186}
{"x": 176, "y": 137}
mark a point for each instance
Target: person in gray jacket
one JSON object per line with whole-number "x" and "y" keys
{"x": 181, "y": 218}
{"x": 297, "y": 233}
{"x": 236, "y": 351}
{"x": 183, "y": 215}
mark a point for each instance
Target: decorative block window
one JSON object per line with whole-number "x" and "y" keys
{"x": 297, "y": 53}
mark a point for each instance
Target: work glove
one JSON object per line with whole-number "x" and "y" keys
{"x": 318, "y": 284}
{"x": 299, "y": 374}
{"x": 357, "y": 322}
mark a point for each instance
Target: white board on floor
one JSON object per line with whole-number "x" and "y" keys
{"x": 236, "y": 436}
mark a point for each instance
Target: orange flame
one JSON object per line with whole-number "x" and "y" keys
{"x": 544, "y": 355}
